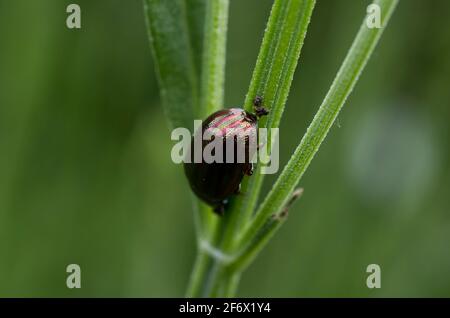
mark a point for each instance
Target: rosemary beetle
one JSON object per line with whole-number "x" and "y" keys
{"x": 215, "y": 181}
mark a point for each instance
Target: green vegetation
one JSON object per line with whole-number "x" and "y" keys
{"x": 86, "y": 175}
{"x": 232, "y": 242}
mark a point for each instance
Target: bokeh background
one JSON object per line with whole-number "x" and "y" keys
{"x": 86, "y": 175}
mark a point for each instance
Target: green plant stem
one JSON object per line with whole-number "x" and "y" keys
{"x": 231, "y": 283}
{"x": 212, "y": 81}
{"x": 212, "y": 92}
{"x": 200, "y": 270}
{"x": 214, "y": 53}
{"x": 272, "y": 78}
{"x": 341, "y": 88}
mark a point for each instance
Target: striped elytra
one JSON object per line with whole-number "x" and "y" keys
{"x": 214, "y": 182}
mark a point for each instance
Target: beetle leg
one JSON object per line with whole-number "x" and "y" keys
{"x": 220, "y": 209}
{"x": 238, "y": 189}
{"x": 249, "y": 169}
{"x": 261, "y": 111}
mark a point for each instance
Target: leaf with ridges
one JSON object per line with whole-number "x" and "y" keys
{"x": 172, "y": 55}
{"x": 342, "y": 86}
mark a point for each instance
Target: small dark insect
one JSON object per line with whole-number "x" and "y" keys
{"x": 215, "y": 182}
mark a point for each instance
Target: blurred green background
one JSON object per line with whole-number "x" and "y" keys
{"x": 86, "y": 175}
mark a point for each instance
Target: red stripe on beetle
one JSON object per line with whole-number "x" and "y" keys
{"x": 226, "y": 118}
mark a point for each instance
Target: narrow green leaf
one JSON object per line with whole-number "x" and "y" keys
{"x": 172, "y": 54}
{"x": 341, "y": 88}
{"x": 248, "y": 251}
{"x": 272, "y": 78}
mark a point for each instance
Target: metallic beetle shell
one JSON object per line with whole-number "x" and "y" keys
{"x": 215, "y": 182}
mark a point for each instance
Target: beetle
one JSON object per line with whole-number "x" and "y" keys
{"x": 215, "y": 182}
